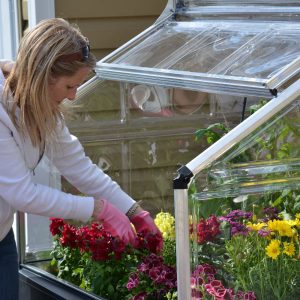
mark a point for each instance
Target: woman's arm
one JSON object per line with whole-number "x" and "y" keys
{"x": 21, "y": 193}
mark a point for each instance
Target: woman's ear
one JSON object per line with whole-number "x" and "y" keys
{"x": 6, "y": 66}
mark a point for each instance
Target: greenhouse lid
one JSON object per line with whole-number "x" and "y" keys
{"x": 222, "y": 46}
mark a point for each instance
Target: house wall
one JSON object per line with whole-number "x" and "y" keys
{"x": 109, "y": 23}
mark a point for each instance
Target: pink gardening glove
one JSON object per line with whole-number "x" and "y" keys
{"x": 117, "y": 223}
{"x": 143, "y": 222}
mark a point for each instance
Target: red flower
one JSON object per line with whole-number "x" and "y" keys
{"x": 68, "y": 238}
{"x": 150, "y": 241}
{"x": 101, "y": 249}
{"x": 56, "y": 226}
{"x": 208, "y": 229}
{"x": 118, "y": 247}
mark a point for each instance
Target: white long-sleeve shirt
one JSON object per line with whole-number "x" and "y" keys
{"x": 18, "y": 192}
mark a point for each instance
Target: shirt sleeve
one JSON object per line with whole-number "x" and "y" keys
{"x": 20, "y": 192}
{"x": 70, "y": 159}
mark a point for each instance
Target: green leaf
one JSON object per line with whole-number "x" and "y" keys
{"x": 53, "y": 262}
{"x": 278, "y": 201}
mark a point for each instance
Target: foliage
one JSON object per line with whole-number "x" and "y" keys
{"x": 91, "y": 258}
{"x": 256, "y": 248}
{"x": 264, "y": 254}
{"x": 240, "y": 255}
{"x": 212, "y": 133}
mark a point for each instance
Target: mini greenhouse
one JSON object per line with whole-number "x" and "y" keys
{"x": 201, "y": 64}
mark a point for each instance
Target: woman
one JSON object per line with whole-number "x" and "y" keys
{"x": 53, "y": 60}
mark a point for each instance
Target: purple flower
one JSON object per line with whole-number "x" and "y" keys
{"x": 238, "y": 228}
{"x": 237, "y": 215}
{"x": 133, "y": 281}
{"x": 159, "y": 276}
{"x": 154, "y": 273}
{"x": 271, "y": 213}
{"x": 263, "y": 232}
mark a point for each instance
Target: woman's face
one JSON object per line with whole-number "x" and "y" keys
{"x": 65, "y": 87}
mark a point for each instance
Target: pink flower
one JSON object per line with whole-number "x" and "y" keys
{"x": 133, "y": 281}
{"x": 140, "y": 296}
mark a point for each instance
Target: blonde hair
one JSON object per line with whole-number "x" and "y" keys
{"x": 46, "y": 52}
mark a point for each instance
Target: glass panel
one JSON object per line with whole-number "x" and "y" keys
{"x": 98, "y": 103}
{"x": 236, "y": 50}
{"x": 155, "y": 101}
{"x": 38, "y": 239}
{"x": 153, "y": 162}
{"x": 159, "y": 45}
{"x": 239, "y": 207}
{"x": 185, "y": 38}
{"x": 110, "y": 157}
{"x": 194, "y": 3}
{"x": 206, "y": 50}
{"x": 263, "y": 56}
{"x": 157, "y": 133}
{"x": 246, "y": 55}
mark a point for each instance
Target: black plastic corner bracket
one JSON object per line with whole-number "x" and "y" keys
{"x": 182, "y": 180}
{"x": 274, "y": 92}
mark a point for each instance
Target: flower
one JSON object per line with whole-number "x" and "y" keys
{"x": 273, "y": 249}
{"x": 166, "y": 224}
{"x": 133, "y": 281}
{"x": 107, "y": 266}
{"x": 257, "y": 226}
{"x": 289, "y": 248}
{"x": 283, "y": 227}
{"x": 208, "y": 229}
{"x": 153, "y": 274}
{"x": 149, "y": 241}
{"x": 226, "y": 266}
{"x": 56, "y": 226}
{"x": 234, "y": 218}
{"x": 204, "y": 283}
{"x": 265, "y": 259}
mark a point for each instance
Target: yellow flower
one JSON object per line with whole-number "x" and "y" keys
{"x": 273, "y": 225}
{"x": 273, "y": 249}
{"x": 289, "y": 248}
{"x": 257, "y": 226}
{"x": 283, "y": 227}
{"x": 298, "y": 216}
{"x": 166, "y": 224}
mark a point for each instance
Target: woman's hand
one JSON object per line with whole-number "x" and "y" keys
{"x": 114, "y": 221}
{"x": 143, "y": 222}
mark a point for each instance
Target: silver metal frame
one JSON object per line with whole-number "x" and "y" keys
{"x": 186, "y": 80}
{"x": 182, "y": 240}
